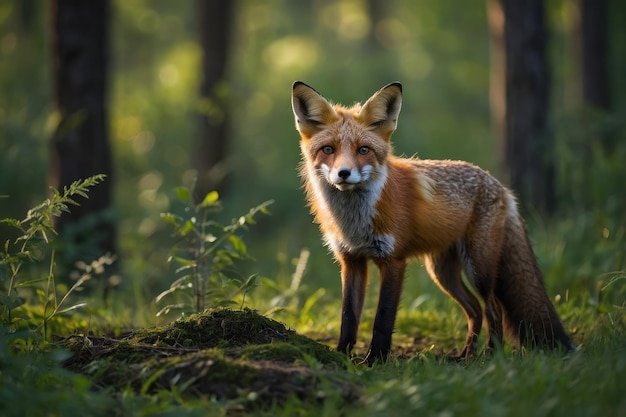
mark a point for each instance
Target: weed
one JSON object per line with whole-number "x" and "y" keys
{"x": 206, "y": 254}
{"x": 37, "y": 233}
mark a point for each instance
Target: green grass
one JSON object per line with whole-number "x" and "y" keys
{"x": 583, "y": 384}
{"x": 510, "y": 383}
{"x": 245, "y": 364}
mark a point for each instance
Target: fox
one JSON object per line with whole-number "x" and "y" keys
{"x": 371, "y": 205}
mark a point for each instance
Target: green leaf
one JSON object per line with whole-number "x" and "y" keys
{"x": 187, "y": 227}
{"x": 11, "y": 301}
{"x": 183, "y": 261}
{"x": 11, "y": 222}
{"x": 238, "y": 244}
{"x": 210, "y": 199}
{"x": 264, "y": 209}
{"x": 183, "y": 194}
{"x": 172, "y": 219}
{"x": 250, "y": 282}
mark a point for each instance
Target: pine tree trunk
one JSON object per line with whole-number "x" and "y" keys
{"x": 527, "y": 142}
{"x": 595, "y": 53}
{"x": 211, "y": 142}
{"x": 80, "y": 146}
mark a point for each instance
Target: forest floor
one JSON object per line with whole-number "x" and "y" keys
{"x": 232, "y": 356}
{"x": 238, "y": 362}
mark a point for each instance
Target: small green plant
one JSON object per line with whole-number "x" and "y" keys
{"x": 206, "y": 254}
{"x": 37, "y": 232}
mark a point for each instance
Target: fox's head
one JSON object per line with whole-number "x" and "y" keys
{"x": 346, "y": 147}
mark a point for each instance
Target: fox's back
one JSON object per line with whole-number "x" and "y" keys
{"x": 458, "y": 182}
{"x": 429, "y": 205}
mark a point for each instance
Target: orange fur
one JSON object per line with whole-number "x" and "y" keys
{"x": 372, "y": 205}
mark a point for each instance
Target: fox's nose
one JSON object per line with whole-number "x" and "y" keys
{"x": 343, "y": 173}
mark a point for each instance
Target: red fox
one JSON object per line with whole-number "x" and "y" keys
{"x": 372, "y": 205}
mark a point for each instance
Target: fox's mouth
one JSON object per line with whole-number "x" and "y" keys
{"x": 344, "y": 186}
{"x": 347, "y": 184}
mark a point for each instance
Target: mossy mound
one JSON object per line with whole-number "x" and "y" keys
{"x": 222, "y": 354}
{"x": 228, "y": 328}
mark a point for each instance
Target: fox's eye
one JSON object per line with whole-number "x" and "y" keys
{"x": 363, "y": 150}
{"x": 328, "y": 149}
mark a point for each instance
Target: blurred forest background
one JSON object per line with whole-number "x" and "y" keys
{"x": 196, "y": 86}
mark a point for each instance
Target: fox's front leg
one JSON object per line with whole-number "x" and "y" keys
{"x": 391, "y": 279}
{"x": 353, "y": 286}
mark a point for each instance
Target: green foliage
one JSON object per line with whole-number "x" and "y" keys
{"x": 206, "y": 254}
{"x": 441, "y": 56}
{"x": 536, "y": 384}
{"x": 35, "y": 385}
{"x": 37, "y": 232}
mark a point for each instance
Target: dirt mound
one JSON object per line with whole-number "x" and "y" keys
{"x": 224, "y": 354}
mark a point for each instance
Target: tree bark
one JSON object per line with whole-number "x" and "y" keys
{"x": 377, "y": 12}
{"x": 595, "y": 67}
{"x": 528, "y": 143}
{"x": 211, "y": 142}
{"x": 497, "y": 81}
{"x": 80, "y": 146}
{"x": 595, "y": 53}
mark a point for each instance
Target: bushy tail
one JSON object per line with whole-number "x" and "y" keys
{"x": 528, "y": 315}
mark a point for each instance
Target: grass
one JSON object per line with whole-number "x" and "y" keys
{"x": 185, "y": 369}
{"x": 537, "y": 384}
{"x": 227, "y": 362}
{"x": 239, "y": 362}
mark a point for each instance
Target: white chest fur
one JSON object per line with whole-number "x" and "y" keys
{"x": 350, "y": 216}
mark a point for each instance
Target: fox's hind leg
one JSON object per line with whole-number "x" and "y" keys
{"x": 493, "y": 312}
{"x": 445, "y": 269}
{"x": 480, "y": 254}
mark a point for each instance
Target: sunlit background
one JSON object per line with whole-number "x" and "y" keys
{"x": 439, "y": 50}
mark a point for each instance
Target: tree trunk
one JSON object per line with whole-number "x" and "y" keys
{"x": 595, "y": 53}
{"x": 377, "y": 11}
{"x": 497, "y": 82}
{"x": 211, "y": 142}
{"x": 80, "y": 145}
{"x": 527, "y": 143}
{"x": 595, "y": 65}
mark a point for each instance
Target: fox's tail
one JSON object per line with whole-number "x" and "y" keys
{"x": 528, "y": 315}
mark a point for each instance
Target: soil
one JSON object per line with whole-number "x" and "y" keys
{"x": 236, "y": 356}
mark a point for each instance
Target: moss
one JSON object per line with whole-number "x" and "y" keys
{"x": 226, "y": 328}
{"x": 279, "y": 351}
{"x": 224, "y": 354}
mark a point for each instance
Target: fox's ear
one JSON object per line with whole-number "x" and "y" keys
{"x": 380, "y": 112}
{"x": 311, "y": 110}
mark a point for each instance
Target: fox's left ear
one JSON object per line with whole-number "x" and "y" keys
{"x": 380, "y": 112}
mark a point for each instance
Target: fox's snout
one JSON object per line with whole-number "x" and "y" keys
{"x": 344, "y": 177}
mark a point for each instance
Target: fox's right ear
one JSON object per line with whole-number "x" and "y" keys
{"x": 311, "y": 110}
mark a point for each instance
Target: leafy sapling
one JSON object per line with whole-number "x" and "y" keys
{"x": 206, "y": 255}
